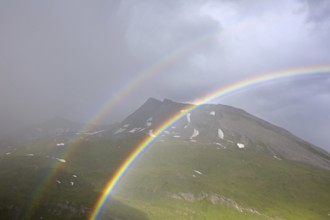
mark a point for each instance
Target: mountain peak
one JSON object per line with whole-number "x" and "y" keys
{"x": 225, "y": 126}
{"x": 167, "y": 100}
{"x": 152, "y": 100}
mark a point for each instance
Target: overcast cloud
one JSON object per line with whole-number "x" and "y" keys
{"x": 67, "y": 58}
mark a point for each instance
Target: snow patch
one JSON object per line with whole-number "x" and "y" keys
{"x": 221, "y": 134}
{"x": 212, "y": 113}
{"x": 72, "y": 183}
{"x": 8, "y": 153}
{"x": 61, "y": 160}
{"x": 176, "y": 136}
{"x": 216, "y": 143}
{"x": 60, "y": 144}
{"x": 126, "y": 126}
{"x": 198, "y": 172}
{"x": 183, "y": 111}
{"x": 134, "y": 130}
{"x": 185, "y": 126}
{"x": 149, "y": 122}
{"x": 277, "y": 158}
{"x": 151, "y": 134}
{"x": 239, "y": 145}
{"x": 173, "y": 127}
{"x": 59, "y": 182}
{"x": 30, "y": 155}
{"x": 166, "y": 132}
{"x": 195, "y": 133}
{"x": 75, "y": 176}
{"x": 188, "y": 116}
{"x": 119, "y": 130}
{"x": 95, "y": 132}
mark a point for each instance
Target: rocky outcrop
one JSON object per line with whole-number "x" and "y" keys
{"x": 216, "y": 199}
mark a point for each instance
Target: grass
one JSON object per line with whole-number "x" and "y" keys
{"x": 252, "y": 179}
{"x": 275, "y": 188}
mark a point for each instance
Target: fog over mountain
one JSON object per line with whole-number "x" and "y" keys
{"x": 214, "y": 162}
{"x": 71, "y": 58}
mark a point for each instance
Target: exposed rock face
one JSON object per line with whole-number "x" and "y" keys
{"x": 215, "y": 199}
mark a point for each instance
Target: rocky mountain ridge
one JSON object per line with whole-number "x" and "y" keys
{"x": 221, "y": 125}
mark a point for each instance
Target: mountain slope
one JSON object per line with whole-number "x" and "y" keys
{"x": 184, "y": 180}
{"x": 220, "y": 162}
{"x": 224, "y": 125}
{"x": 217, "y": 162}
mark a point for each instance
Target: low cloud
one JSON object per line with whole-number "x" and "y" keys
{"x": 71, "y": 58}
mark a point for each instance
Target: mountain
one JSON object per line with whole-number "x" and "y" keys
{"x": 57, "y": 129}
{"x": 224, "y": 126}
{"x": 216, "y": 162}
{"x": 220, "y": 162}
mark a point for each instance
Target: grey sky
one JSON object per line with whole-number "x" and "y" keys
{"x": 68, "y": 58}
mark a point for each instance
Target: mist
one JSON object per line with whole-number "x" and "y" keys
{"x": 72, "y": 59}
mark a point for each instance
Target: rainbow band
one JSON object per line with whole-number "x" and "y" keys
{"x": 109, "y": 105}
{"x": 112, "y": 183}
{"x": 151, "y": 71}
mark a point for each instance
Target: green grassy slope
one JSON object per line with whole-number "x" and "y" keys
{"x": 244, "y": 183}
{"x": 234, "y": 183}
{"x": 27, "y": 170}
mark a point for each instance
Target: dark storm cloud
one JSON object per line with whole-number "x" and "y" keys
{"x": 300, "y": 105}
{"x": 68, "y": 58}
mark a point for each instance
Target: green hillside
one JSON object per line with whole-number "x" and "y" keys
{"x": 226, "y": 184}
{"x": 173, "y": 179}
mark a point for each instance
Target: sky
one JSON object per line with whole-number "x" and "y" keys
{"x": 72, "y": 58}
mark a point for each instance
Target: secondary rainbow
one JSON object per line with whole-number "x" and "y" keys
{"x": 241, "y": 85}
{"x": 151, "y": 71}
{"x": 115, "y": 100}
{"x": 109, "y": 105}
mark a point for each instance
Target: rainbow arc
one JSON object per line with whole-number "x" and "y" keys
{"x": 230, "y": 89}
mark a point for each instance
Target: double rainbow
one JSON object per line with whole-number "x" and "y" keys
{"x": 241, "y": 85}
{"x": 109, "y": 105}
